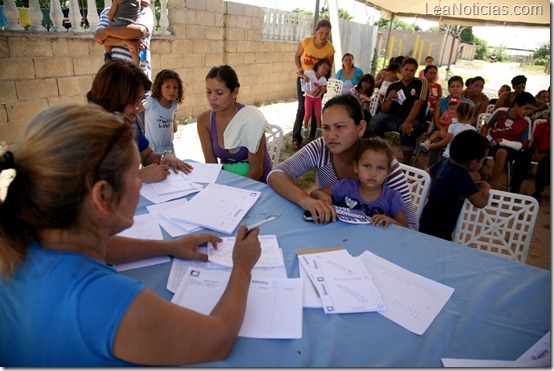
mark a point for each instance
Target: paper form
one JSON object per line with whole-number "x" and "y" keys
{"x": 310, "y": 296}
{"x": 204, "y": 173}
{"x": 270, "y": 257}
{"x": 343, "y": 284}
{"x": 216, "y": 207}
{"x": 174, "y": 183}
{"x": 273, "y": 306}
{"x": 536, "y": 356}
{"x": 174, "y": 229}
{"x": 412, "y": 301}
{"x": 179, "y": 267}
{"x": 147, "y": 191}
{"x": 144, "y": 226}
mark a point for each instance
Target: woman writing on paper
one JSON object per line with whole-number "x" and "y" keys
{"x": 62, "y": 303}
{"x": 230, "y": 131}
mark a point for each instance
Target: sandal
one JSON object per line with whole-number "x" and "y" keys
{"x": 295, "y": 145}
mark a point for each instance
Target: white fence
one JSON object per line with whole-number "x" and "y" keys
{"x": 87, "y": 20}
{"x": 281, "y": 25}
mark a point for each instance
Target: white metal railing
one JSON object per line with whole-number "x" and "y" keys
{"x": 60, "y": 23}
{"x": 281, "y": 25}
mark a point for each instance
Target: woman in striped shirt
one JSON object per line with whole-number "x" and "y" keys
{"x": 332, "y": 156}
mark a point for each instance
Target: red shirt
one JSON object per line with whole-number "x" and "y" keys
{"x": 511, "y": 128}
{"x": 542, "y": 134}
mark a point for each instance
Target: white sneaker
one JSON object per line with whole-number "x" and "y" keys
{"x": 304, "y": 133}
{"x": 425, "y": 146}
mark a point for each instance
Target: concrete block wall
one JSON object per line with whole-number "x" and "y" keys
{"x": 38, "y": 70}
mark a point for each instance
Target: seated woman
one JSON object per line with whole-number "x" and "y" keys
{"x": 63, "y": 304}
{"x": 363, "y": 92}
{"x": 230, "y": 131}
{"x": 119, "y": 86}
{"x": 333, "y": 157}
{"x": 348, "y": 74}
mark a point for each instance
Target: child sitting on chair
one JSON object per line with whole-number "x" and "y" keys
{"x": 450, "y": 116}
{"x": 379, "y": 202}
{"x": 508, "y": 132}
{"x": 452, "y": 184}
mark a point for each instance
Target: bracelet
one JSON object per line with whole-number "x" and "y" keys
{"x": 163, "y": 156}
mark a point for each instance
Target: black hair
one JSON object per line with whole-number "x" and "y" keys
{"x": 323, "y": 23}
{"x": 469, "y": 81}
{"x": 467, "y": 146}
{"x": 464, "y": 111}
{"x": 519, "y": 79}
{"x": 323, "y": 61}
{"x": 367, "y": 77}
{"x": 410, "y": 60}
{"x": 226, "y": 74}
{"x": 427, "y": 68}
{"x": 454, "y": 79}
{"x": 375, "y": 144}
{"x": 393, "y": 67}
{"x": 523, "y": 99}
{"x": 350, "y": 103}
{"x": 478, "y": 78}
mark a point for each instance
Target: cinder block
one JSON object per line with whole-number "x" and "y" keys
{"x": 254, "y": 35}
{"x": 10, "y": 132}
{"x": 30, "y": 47}
{"x": 181, "y": 46}
{"x": 195, "y": 4}
{"x": 87, "y": 65}
{"x": 205, "y": 19}
{"x": 75, "y": 85}
{"x": 21, "y": 112}
{"x": 235, "y": 8}
{"x": 231, "y": 21}
{"x": 190, "y": 60}
{"x": 50, "y": 67}
{"x": 215, "y": 33}
{"x": 4, "y": 49}
{"x": 252, "y": 11}
{"x": 201, "y": 46}
{"x": 161, "y": 46}
{"x": 181, "y": 16}
{"x": 215, "y": 59}
{"x": 231, "y": 46}
{"x": 244, "y": 22}
{"x": 17, "y": 68}
{"x": 3, "y": 116}
{"x": 30, "y": 90}
{"x": 236, "y": 34}
{"x": 196, "y": 33}
{"x": 244, "y": 46}
{"x": 171, "y": 61}
{"x": 176, "y": 4}
{"x": 7, "y": 92}
{"x": 81, "y": 99}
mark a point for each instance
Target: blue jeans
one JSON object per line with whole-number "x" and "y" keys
{"x": 297, "y": 129}
{"x": 384, "y": 122}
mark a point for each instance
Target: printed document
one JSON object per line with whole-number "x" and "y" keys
{"x": 144, "y": 226}
{"x": 174, "y": 183}
{"x": 149, "y": 192}
{"x": 217, "y": 207}
{"x": 271, "y": 254}
{"x": 412, "y": 301}
{"x": 343, "y": 284}
{"x": 174, "y": 229}
{"x": 536, "y": 356}
{"x": 179, "y": 268}
{"x": 204, "y": 173}
{"x": 273, "y": 307}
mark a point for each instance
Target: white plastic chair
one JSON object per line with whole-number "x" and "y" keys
{"x": 482, "y": 119}
{"x": 373, "y": 104}
{"x": 334, "y": 88}
{"x": 531, "y": 137}
{"x": 490, "y": 108}
{"x": 274, "y": 142}
{"x": 419, "y": 182}
{"x": 504, "y": 227}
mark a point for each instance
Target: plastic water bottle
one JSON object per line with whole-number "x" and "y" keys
{"x": 142, "y": 54}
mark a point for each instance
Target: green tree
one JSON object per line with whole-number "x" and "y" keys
{"x": 466, "y": 36}
{"x": 302, "y": 11}
{"x": 480, "y": 48}
{"x": 500, "y": 53}
{"x": 543, "y": 51}
{"x": 343, "y": 14}
{"x": 397, "y": 24}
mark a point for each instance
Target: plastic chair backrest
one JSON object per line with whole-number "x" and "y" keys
{"x": 274, "y": 142}
{"x": 504, "y": 227}
{"x": 533, "y": 127}
{"x": 334, "y": 88}
{"x": 482, "y": 119}
{"x": 419, "y": 182}
{"x": 373, "y": 104}
{"x": 490, "y": 108}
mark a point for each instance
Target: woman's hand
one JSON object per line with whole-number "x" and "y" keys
{"x": 322, "y": 209}
{"x": 153, "y": 173}
{"x": 185, "y": 247}
{"x": 407, "y": 127}
{"x": 247, "y": 250}
{"x": 172, "y": 160}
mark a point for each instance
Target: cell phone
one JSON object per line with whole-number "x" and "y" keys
{"x": 307, "y": 216}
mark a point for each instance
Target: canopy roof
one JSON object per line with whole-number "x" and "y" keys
{"x": 514, "y": 13}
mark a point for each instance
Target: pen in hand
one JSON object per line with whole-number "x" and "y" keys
{"x": 262, "y": 222}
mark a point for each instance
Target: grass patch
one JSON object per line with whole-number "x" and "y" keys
{"x": 307, "y": 182}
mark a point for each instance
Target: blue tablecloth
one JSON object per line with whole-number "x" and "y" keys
{"x": 498, "y": 310}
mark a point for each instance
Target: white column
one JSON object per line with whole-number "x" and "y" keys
{"x": 164, "y": 19}
{"x": 335, "y": 31}
{"x": 56, "y": 15}
{"x": 107, "y": 3}
{"x": 265, "y": 23}
{"x": 12, "y": 15}
{"x": 35, "y": 14}
{"x": 92, "y": 15}
{"x": 75, "y": 17}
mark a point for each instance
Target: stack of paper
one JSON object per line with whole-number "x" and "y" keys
{"x": 217, "y": 207}
{"x": 173, "y": 227}
{"x": 273, "y": 306}
{"x": 174, "y": 186}
{"x": 342, "y": 282}
{"x": 270, "y": 264}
